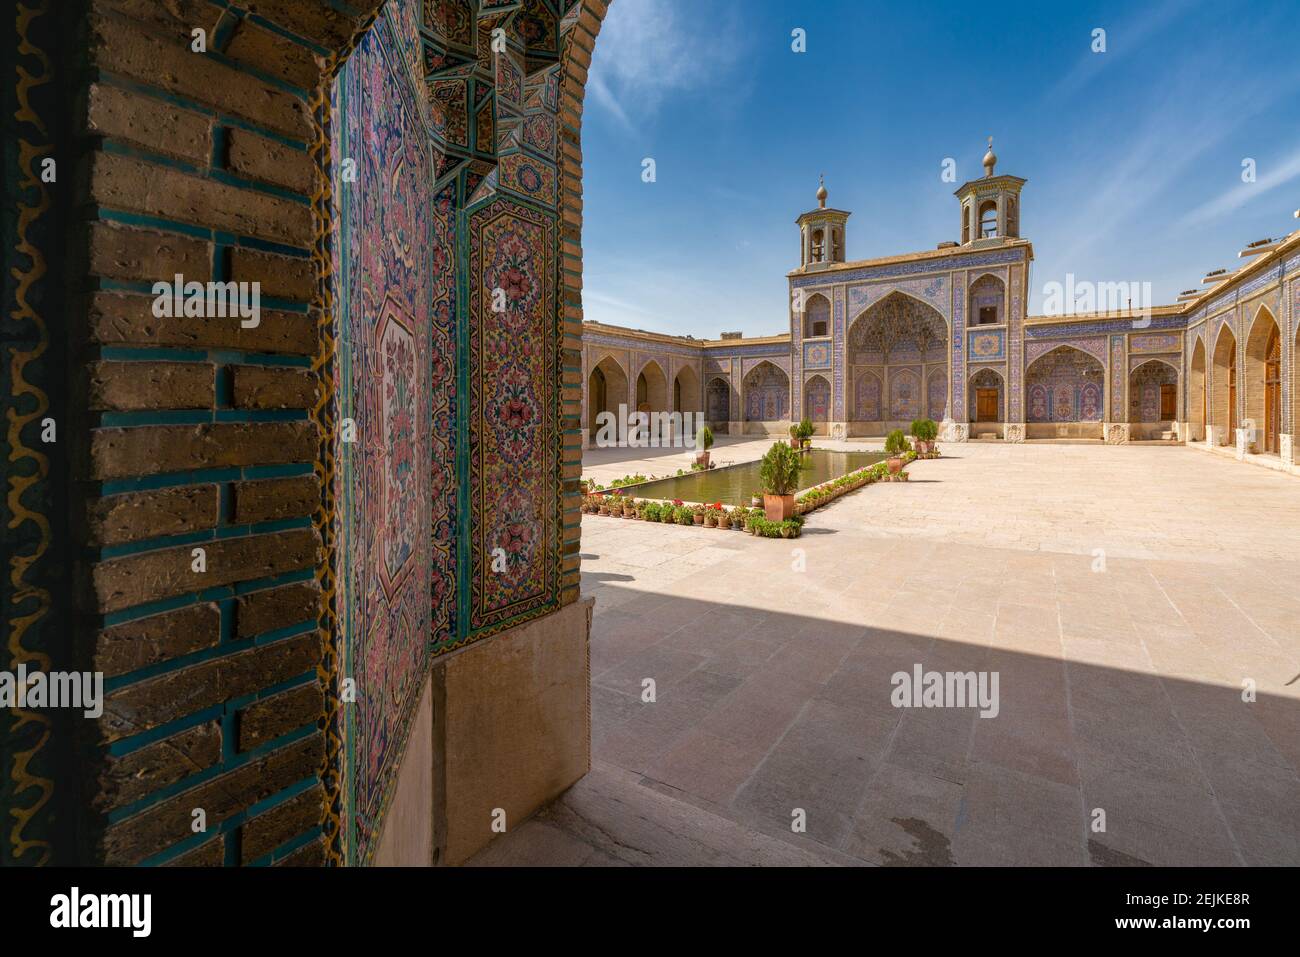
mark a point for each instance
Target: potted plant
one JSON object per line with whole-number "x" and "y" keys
{"x": 805, "y": 432}
{"x": 756, "y": 499}
{"x": 779, "y": 475}
{"x": 795, "y": 440}
{"x": 895, "y": 445}
{"x": 924, "y": 431}
{"x": 685, "y": 515}
{"x": 710, "y": 518}
{"x": 737, "y": 518}
{"x": 697, "y": 514}
{"x": 703, "y": 442}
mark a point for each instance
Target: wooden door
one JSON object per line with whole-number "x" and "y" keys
{"x": 1168, "y": 402}
{"x": 986, "y": 405}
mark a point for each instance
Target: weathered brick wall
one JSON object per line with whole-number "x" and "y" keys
{"x": 200, "y": 433}
{"x": 187, "y": 432}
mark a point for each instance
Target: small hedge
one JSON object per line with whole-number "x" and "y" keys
{"x": 758, "y": 525}
{"x": 819, "y": 495}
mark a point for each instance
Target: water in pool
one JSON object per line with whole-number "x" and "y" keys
{"x": 733, "y": 485}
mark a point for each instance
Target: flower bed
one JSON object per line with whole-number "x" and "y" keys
{"x": 819, "y": 495}
{"x": 619, "y": 504}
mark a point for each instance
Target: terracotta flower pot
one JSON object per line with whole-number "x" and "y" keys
{"x": 777, "y": 508}
{"x": 895, "y": 465}
{"x": 698, "y": 519}
{"x": 794, "y": 443}
{"x": 702, "y": 458}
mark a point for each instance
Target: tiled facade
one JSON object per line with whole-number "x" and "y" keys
{"x": 927, "y": 333}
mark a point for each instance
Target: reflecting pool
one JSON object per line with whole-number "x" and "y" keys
{"x": 734, "y": 485}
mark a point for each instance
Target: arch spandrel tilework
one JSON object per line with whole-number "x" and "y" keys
{"x": 932, "y": 290}
{"x": 1153, "y": 343}
{"x": 748, "y": 364}
{"x": 1095, "y": 346}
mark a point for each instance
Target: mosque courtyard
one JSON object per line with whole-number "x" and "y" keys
{"x": 1128, "y": 598}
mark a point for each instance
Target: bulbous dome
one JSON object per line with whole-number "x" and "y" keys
{"x": 990, "y": 159}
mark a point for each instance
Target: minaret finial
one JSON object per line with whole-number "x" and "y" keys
{"x": 821, "y": 191}
{"x": 990, "y": 160}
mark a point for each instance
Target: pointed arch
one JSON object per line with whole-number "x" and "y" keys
{"x": 896, "y": 294}
{"x": 1197, "y": 396}
{"x": 1065, "y": 385}
{"x": 606, "y": 390}
{"x": 816, "y": 316}
{"x": 651, "y": 387}
{"x": 896, "y": 352}
{"x": 766, "y": 393}
{"x": 817, "y": 399}
{"x": 987, "y": 300}
{"x": 1223, "y": 390}
{"x": 687, "y": 396}
{"x": 1262, "y": 380}
{"x": 718, "y": 403}
{"x": 868, "y": 392}
{"x": 1153, "y": 396}
{"x": 987, "y": 400}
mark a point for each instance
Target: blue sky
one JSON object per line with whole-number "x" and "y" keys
{"x": 1133, "y": 156}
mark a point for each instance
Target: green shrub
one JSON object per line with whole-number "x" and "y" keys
{"x": 926, "y": 430}
{"x": 779, "y": 471}
{"x": 704, "y": 438}
{"x": 685, "y": 515}
{"x": 896, "y": 443}
{"x": 805, "y": 428}
{"x": 790, "y": 528}
{"x": 651, "y": 511}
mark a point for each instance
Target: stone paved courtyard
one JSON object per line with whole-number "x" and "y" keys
{"x": 1120, "y": 688}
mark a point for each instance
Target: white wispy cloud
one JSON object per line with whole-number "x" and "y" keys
{"x": 650, "y": 49}
{"x": 1232, "y": 199}
{"x": 1123, "y": 38}
{"x": 1132, "y": 170}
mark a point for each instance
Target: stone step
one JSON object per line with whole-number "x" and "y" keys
{"x": 611, "y": 817}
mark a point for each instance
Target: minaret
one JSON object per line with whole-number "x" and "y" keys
{"x": 821, "y": 233}
{"x": 990, "y": 206}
